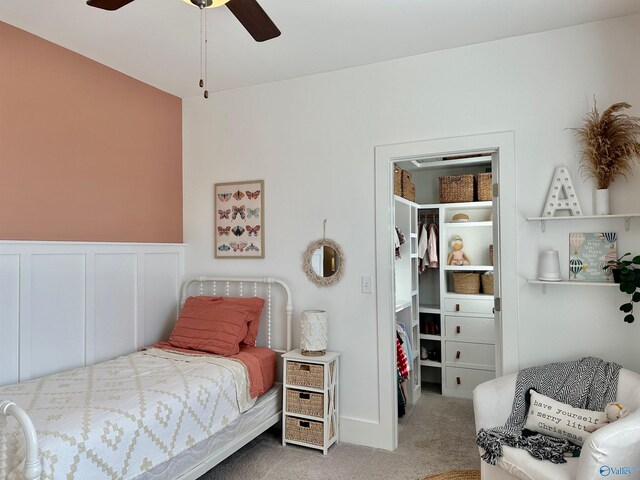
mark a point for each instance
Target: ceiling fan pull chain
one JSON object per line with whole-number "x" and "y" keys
{"x": 201, "y": 83}
{"x": 206, "y": 69}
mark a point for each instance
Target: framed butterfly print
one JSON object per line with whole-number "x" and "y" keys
{"x": 239, "y": 219}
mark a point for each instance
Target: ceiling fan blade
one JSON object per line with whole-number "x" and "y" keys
{"x": 254, "y": 19}
{"x": 108, "y": 4}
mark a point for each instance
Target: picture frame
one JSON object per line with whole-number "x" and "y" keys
{"x": 589, "y": 254}
{"x": 238, "y": 230}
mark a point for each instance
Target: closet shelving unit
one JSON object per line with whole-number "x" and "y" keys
{"x": 464, "y": 338}
{"x": 406, "y": 286}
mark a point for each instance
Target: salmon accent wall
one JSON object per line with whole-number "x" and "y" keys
{"x": 86, "y": 153}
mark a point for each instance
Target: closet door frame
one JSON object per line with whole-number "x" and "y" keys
{"x": 505, "y": 244}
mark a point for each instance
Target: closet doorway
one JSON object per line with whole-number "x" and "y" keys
{"x": 431, "y": 307}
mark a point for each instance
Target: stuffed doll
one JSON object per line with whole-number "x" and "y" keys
{"x": 457, "y": 257}
{"x": 613, "y": 412}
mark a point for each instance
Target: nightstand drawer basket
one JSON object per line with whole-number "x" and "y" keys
{"x": 305, "y": 403}
{"x": 306, "y": 431}
{"x": 305, "y": 374}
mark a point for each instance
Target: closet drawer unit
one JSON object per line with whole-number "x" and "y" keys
{"x": 470, "y": 305}
{"x": 303, "y": 374}
{"x": 476, "y": 354}
{"x": 470, "y": 328}
{"x": 462, "y": 381}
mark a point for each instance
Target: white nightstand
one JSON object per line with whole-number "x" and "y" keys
{"x": 310, "y": 414}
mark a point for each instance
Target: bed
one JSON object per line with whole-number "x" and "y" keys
{"x": 161, "y": 413}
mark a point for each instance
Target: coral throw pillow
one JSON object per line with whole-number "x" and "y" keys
{"x": 207, "y": 327}
{"x": 250, "y": 305}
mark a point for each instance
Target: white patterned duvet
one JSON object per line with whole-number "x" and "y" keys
{"x": 118, "y": 419}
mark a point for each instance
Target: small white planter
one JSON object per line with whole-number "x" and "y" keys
{"x": 602, "y": 201}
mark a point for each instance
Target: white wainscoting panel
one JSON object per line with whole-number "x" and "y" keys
{"x": 161, "y": 288}
{"x": 115, "y": 301}
{"x": 57, "y": 324}
{"x": 9, "y": 316}
{"x": 70, "y": 304}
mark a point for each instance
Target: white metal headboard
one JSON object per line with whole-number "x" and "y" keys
{"x": 244, "y": 287}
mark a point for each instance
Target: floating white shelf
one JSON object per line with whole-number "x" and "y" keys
{"x": 469, "y": 268}
{"x": 627, "y": 219}
{"x": 544, "y": 283}
{"x": 401, "y": 305}
{"x": 457, "y": 206}
{"x": 454, "y": 225}
{"x": 430, "y": 363}
{"x": 425, "y": 308}
{"x": 424, "y": 336}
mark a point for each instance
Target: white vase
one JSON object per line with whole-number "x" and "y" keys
{"x": 549, "y": 266}
{"x": 602, "y": 201}
{"x": 313, "y": 338}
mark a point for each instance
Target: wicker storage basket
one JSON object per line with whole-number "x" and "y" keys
{"x": 305, "y": 374}
{"x": 484, "y": 187}
{"x": 397, "y": 180}
{"x": 487, "y": 284}
{"x": 307, "y": 431}
{"x": 466, "y": 282}
{"x": 456, "y": 188}
{"x": 491, "y": 254}
{"x": 305, "y": 403}
{"x": 408, "y": 190}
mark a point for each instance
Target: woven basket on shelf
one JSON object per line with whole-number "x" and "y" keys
{"x": 305, "y": 403}
{"x": 456, "y": 188}
{"x": 484, "y": 187}
{"x": 487, "y": 284}
{"x": 466, "y": 282}
{"x": 305, "y": 374}
{"x": 307, "y": 431}
{"x": 491, "y": 254}
{"x": 408, "y": 190}
{"x": 397, "y": 180}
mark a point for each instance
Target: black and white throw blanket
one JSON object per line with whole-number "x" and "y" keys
{"x": 588, "y": 383}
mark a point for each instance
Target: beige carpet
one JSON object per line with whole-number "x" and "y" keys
{"x": 455, "y": 475}
{"x": 436, "y": 435}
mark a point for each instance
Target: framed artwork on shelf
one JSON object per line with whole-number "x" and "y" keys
{"x": 239, "y": 219}
{"x": 589, "y": 254}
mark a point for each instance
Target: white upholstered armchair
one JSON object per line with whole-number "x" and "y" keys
{"x": 615, "y": 446}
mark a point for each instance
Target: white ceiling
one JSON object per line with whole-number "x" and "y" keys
{"x": 157, "y": 41}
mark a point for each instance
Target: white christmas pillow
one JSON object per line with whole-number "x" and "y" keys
{"x": 559, "y": 420}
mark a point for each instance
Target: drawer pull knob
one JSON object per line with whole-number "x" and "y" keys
{"x": 458, "y": 354}
{"x": 458, "y": 380}
{"x": 458, "y": 329}
{"x": 457, "y": 307}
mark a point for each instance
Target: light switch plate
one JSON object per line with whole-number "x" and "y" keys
{"x": 365, "y": 284}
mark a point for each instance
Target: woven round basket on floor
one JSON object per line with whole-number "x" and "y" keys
{"x": 455, "y": 475}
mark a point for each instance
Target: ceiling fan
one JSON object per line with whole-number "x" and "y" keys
{"x": 248, "y": 12}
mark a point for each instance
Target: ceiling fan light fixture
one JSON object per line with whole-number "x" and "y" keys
{"x": 206, "y": 3}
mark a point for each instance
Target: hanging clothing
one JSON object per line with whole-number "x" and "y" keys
{"x": 398, "y": 240}
{"x": 402, "y": 360}
{"x": 406, "y": 344}
{"x": 432, "y": 249}
{"x": 423, "y": 243}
